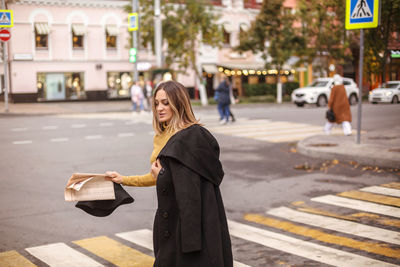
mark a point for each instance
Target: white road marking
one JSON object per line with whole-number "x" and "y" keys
{"x": 76, "y": 126}
{"x": 302, "y": 248}
{"x": 382, "y": 190}
{"x": 338, "y": 225}
{"x": 126, "y": 134}
{"x": 93, "y": 137}
{"x": 61, "y": 255}
{"x": 359, "y": 205}
{"x": 144, "y": 238}
{"x": 22, "y": 142}
{"x": 62, "y": 139}
{"x": 49, "y": 127}
{"x": 18, "y": 129}
{"x": 106, "y": 124}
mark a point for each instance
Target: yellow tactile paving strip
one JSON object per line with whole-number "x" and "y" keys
{"x": 14, "y": 259}
{"x": 372, "y": 247}
{"x": 115, "y": 252}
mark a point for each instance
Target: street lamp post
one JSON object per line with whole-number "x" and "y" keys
{"x": 158, "y": 33}
{"x": 135, "y": 42}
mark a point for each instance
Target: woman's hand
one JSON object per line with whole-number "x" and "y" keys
{"x": 155, "y": 168}
{"x": 114, "y": 176}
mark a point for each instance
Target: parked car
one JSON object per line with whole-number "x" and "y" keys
{"x": 319, "y": 91}
{"x": 388, "y": 93}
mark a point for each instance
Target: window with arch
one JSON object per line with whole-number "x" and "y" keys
{"x": 78, "y": 35}
{"x": 41, "y": 35}
{"x": 111, "y": 36}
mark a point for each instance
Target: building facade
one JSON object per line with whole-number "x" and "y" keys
{"x": 79, "y": 49}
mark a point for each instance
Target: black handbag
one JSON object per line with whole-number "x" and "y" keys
{"x": 330, "y": 116}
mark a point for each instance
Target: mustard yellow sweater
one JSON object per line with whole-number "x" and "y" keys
{"x": 159, "y": 142}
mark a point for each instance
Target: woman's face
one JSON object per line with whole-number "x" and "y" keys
{"x": 163, "y": 109}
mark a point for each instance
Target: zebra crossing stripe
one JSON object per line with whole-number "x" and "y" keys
{"x": 380, "y": 199}
{"x": 115, "y": 252}
{"x": 338, "y": 225}
{"x": 382, "y": 190}
{"x": 370, "y": 246}
{"x": 61, "y": 255}
{"x": 14, "y": 259}
{"x": 144, "y": 238}
{"x": 278, "y": 138}
{"x": 255, "y": 127}
{"x": 302, "y": 248}
{"x": 393, "y": 185}
{"x": 275, "y": 132}
{"x": 358, "y": 205}
{"x": 358, "y": 217}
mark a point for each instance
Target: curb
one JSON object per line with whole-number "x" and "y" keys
{"x": 364, "y": 154}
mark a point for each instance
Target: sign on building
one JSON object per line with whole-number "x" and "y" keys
{"x": 6, "y": 19}
{"x": 362, "y": 14}
{"x": 133, "y": 22}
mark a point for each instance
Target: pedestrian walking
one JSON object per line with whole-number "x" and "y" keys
{"x": 137, "y": 97}
{"x": 340, "y": 106}
{"x": 224, "y": 100}
{"x": 190, "y": 226}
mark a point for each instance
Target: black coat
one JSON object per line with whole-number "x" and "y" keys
{"x": 190, "y": 226}
{"x": 223, "y": 93}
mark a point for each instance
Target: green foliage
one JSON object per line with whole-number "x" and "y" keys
{"x": 260, "y": 89}
{"x": 322, "y": 32}
{"x": 184, "y": 24}
{"x": 378, "y": 39}
{"x": 274, "y": 26}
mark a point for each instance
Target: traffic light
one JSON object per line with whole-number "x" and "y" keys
{"x": 132, "y": 55}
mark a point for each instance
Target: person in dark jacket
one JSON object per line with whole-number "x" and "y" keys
{"x": 224, "y": 100}
{"x": 190, "y": 225}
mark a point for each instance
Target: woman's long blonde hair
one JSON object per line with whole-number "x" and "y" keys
{"x": 179, "y": 101}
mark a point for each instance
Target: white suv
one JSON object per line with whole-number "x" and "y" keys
{"x": 319, "y": 91}
{"x": 389, "y": 93}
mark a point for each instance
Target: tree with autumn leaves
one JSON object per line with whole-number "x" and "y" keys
{"x": 185, "y": 24}
{"x": 316, "y": 30}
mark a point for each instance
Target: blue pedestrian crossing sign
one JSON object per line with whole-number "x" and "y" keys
{"x": 362, "y": 14}
{"x": 133, "y": 22}
{"x": 6, "y": 19}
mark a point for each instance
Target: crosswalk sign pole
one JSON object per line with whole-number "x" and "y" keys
{"x": 361, "y": 14}
{"x": 360, "y": 75}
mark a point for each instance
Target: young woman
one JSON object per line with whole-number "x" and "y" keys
{"x": 190, "y": 226}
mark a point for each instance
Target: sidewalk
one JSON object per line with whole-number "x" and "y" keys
{"x": 378, "y": 148}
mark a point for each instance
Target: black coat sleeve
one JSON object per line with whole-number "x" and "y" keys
{"x": 187, "y": 185}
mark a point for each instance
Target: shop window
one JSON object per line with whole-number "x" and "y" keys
{"x": 118, "y": 84}
{"x": 111, "y": 36}
{"x": 74, "y": 86}
{"x": 41, "y": 85}
{"x": 78, "y": 35}
{"x": 41, "y": 35}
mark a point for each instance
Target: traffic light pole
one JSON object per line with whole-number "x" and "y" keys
{"x": 135, "y": 8}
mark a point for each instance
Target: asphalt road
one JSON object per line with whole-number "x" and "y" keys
{"x": 39, "y": 153}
